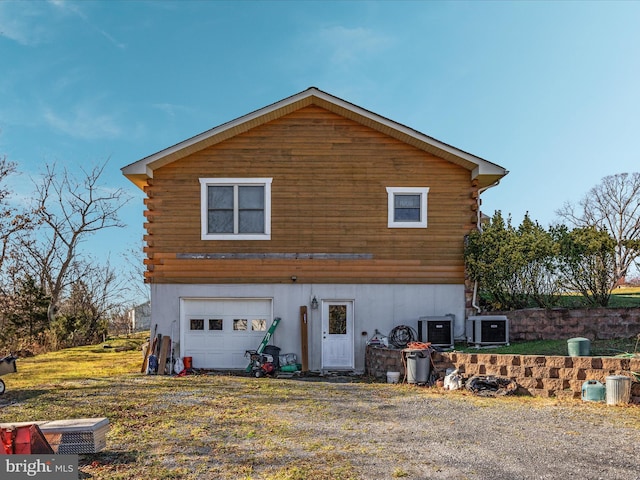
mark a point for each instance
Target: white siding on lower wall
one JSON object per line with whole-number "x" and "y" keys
{"x": 375, "y": 307}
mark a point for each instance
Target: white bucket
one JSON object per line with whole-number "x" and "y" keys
{"x": 393, "y": 377}
{"x": 618, "y": 389}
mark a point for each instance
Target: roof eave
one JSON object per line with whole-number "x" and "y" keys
{"x": 488, "y": 176}
{"x": 486, "y": 172}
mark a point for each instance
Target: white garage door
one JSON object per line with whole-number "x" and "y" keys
{"x": 217, "y": 332}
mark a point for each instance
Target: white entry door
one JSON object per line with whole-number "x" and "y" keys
{"x": 337, "y": 335}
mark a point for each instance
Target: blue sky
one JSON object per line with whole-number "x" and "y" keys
{"x": 549, "y": 90}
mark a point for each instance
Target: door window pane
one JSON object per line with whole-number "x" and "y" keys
{"x": 338, "y": 319}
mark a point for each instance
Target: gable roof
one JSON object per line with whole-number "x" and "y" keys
{"x": 485, "y": 172}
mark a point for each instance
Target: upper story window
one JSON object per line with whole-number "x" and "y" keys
{"x": 407, "y": 207}
{"x": 235, "y": 208}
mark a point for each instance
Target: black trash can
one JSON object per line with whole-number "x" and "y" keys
{"x": 275, "y": 353}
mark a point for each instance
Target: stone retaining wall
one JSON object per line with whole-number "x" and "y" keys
{"x": 540, "y": 376}
{"x": 563, "y": 323}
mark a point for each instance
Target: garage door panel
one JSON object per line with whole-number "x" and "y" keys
{"x": 205, "y": 359}
{"x": 238, "y": 358}
{"x": 217, "y": 332}
{"x": 197, "y": 343}
{"x": 221, "y": 358}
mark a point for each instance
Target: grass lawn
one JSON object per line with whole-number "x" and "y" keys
{"x": 164, "y": 427}
{"x": 625, "y": 297}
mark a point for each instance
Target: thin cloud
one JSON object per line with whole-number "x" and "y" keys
{"x": 170, "y": 109}
{"x": 35, "y": 23}
{"x": 22, "y": 22}
{"x": 348, "y": 45}
{"x": 77, "y": 11}
{"x": 83, "y": 123}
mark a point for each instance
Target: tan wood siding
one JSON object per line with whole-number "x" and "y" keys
{"x": 328, "y": 196}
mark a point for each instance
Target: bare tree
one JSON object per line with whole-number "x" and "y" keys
{"x": 67, "y": 210}
{"x": 138, "y": 287}
{"x": 11, "y": 222}
{"x": 612, "y": 205}
{"x": 93, "y": 297}
{"x": 119, "y": 321}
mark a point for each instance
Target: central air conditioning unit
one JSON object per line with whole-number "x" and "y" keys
{"x": 437, "y": 330}
{"x": 488, "y": 330}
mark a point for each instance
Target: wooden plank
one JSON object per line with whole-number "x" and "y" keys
{"x": 148, "y": 350}
{"x": 165, "y": 345}
{"x": 272, "y": 276}
{"x": 407, "y": 264}
{"x": 159, "y": 279}
{"x": 319, "y": 263}
{"x": 274, "y": 255}
{"x": 311, "y": 264}
{"x": 304, "y": 339}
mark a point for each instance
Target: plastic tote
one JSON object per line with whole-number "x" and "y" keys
{"x": 618, "y": 389}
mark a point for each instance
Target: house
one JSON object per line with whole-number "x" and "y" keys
{"x": 335, "y": 219}
{"x": 140, "y": 317}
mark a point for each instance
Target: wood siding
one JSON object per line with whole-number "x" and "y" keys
{"x": 328, "y": 197}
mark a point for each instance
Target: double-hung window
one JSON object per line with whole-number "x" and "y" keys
{"x": 407, "y": 207}
{"x": 235, "y": 208}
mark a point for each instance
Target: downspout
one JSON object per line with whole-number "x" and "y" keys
{"x": 474, "y": 298}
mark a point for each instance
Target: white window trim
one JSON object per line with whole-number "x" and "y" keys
{"x": 392, "y": 191}
{"x": 204, "y": 215}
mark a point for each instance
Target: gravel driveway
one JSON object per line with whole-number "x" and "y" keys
{"x": 401, "y": 432}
